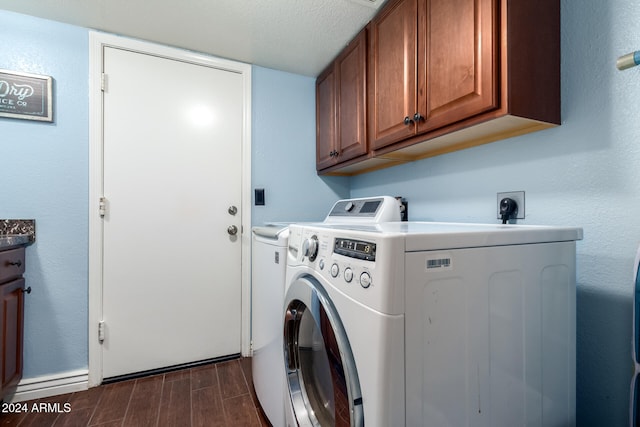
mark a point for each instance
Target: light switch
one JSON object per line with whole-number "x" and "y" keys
{"x": 259, "y": 197}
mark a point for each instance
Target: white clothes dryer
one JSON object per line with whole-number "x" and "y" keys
{"x": 422, "y": 324}
{"x": 268, "y": 258}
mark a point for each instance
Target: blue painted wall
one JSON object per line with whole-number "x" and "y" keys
{"x": 44, "y": 171}
{"x": 44, "y": 174}
{"x": 584, "y": 173}
{"x": 284, "y": 153}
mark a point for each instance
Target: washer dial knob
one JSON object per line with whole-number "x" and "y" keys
{"x": 310, "y": 248}
{"x": 365, "y": 280}
{"x": 335, "y": 270}
{"x": 348, "y": 275}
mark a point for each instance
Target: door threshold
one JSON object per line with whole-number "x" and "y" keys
{"x": 166, "y": 369}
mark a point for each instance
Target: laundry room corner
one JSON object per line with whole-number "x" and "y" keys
{"x": 283, "y": 150}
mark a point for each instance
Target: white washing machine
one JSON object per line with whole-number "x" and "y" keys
{"x": 423, "y": 324}
{"x": 269, "y": 247}
{"x": 268, "y": 259}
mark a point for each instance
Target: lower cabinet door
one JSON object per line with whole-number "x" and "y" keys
{"x": 12, "y": 324}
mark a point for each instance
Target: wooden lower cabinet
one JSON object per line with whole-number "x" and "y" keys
{"x": 12, "y": 333}
{"x": 11, "y": 319}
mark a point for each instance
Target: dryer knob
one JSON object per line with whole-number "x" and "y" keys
{"x": 310, "y": 248}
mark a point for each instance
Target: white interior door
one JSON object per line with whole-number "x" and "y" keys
{"x": 172, "y": 168}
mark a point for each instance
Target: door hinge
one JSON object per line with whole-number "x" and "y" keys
{"x": 102, "y": 207}
{"x": 103, "y": 82}
{"x": 101, "y": 331}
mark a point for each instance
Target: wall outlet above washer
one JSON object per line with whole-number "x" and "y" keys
{"x": 518, "y": 196}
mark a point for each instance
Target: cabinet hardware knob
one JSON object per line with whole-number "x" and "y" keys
{"x": 17, "y": 263}
{"x": 27, "y": 291}
{"x": 418, "y": 117}
{"x": 232, "y": 230}
{"x": 407, "y": 121}
{"x": 233, "y": 210}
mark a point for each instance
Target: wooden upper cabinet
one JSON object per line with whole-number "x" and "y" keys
{"x": 351, "y": 68}
{"x": 325, "y": 119}
{"x": 341, "y": 106}
{"x": 441, "y": 76}
{"x": 393, "y": 48}
{"x": 457, "y": 60}
{"x": 432, "y": 63}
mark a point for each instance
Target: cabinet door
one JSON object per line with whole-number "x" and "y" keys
{"x": 325, "y": 118}
{"x": 351, "y": 99}
{"x": 457, "y": 61}
{"x": 392, "y": 73}
{"x": 12, "y": 318}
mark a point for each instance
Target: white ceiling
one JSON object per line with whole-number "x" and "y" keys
{"x": 299, "y": 36}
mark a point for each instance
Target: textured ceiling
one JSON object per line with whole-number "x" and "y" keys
{"x": 299, "y": 36}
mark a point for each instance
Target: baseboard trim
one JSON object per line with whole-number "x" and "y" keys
{"x": 50, "y": 385}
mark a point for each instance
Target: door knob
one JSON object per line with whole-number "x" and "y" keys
{"x": 232, "y": 210}
{"x": 232, "y": 230}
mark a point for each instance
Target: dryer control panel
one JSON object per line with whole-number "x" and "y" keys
{"x": 370, "y": 210}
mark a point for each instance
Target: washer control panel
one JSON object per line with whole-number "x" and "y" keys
{"x": 361, "y": 264}
{"x": 348, "y": 273}
{"x": 355, "y": 249}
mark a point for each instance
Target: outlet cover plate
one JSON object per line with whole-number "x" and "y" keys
{"x": 518, "y": 196}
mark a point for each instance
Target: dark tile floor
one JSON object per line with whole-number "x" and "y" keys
{"x": 212, "y": 395}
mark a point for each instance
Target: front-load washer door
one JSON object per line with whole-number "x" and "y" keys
{"x": 321, "y": 374}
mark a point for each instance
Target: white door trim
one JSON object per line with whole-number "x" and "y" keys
{"x": 97, "y": 41}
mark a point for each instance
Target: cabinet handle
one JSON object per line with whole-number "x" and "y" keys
{"x": 407, "y": 121}
{"x": 27, "y": 291}
{"x": 17, "y": 263}
{"x": 418, "y": 117}
{"x": 334, "y": 154}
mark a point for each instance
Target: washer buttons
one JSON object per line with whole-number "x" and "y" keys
{"x": 321, "y": 264}
{"x": 365, "y": 280}
{"x": 335, "y": 270}
{"x": 348, "y": 275}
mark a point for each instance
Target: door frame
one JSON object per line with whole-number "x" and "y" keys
{"x": 97, "y": 42}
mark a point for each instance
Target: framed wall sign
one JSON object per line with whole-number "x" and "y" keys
{"x": 25, "y": 96}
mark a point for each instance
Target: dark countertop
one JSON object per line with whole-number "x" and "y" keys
{"x": 14, "y": 240}
{"x": 16, "y": 232}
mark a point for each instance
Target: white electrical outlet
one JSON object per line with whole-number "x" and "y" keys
{"x": 518, "y": 196}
